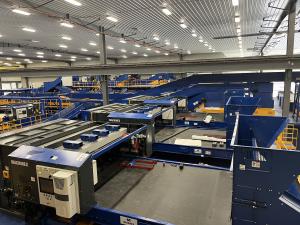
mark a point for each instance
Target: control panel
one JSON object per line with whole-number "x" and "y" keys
{"x": 58, "y": 188}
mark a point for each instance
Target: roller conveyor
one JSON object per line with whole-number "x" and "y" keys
{"x": 165, "y": 193}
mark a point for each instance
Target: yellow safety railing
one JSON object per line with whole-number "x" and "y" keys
{"x": 288, "y": 138}
{"x": 15, "y": 124}
{"x": 264, "y": 112}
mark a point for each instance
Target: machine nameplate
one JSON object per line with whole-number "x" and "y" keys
{"x": 128, "y": 221}
{"x": 19, "y": 163}
{"x": 255, "y": 164}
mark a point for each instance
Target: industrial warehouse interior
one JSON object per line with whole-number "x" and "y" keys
{"x": 149, "y": 112}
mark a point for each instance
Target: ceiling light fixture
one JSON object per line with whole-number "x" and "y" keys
{"x": 58, "y": 55}
{"x": 40, "y": 56}
{"x": 40, "y": 53}
{"x": 18, "y": 63}
{"x": 183, "y": 25}
{"x": 145, "y": 55}
{"x": 44, "y": 61}
{"x": 7, "y": 64}
{"x": 156, "y": 37}
{"x": 201, "y": 40}
{"x": 17, "y": 50}
{"x": 88, "y": 59}
{"x": 73, "y": 60}
{"x": 110, "y": 47}
{"x": 157, "y": 51}
{"x": 122, "y": 40}
{"x": 134, "y": 53}
{"x": 167, "y": 42}
{"x": 9, "y": 58}
{"x": 205, "y": 44}
{"x": 73, "y": 2}
{"x": 73, "y": 57}
{"x": 22, "y": 12}
{"x": 148, "y": 49}
{"x": 188, "y": 52}
{"x": 111, "y": 18}
{"x": 84, "y": 50}
{"x": 63, "y": 46}
{"x": 66, "y": 38}
{"x": 92, "y": 44}
{"x": 67, "y": 24}
{"x": 235, "y": 2}
{"x": 124, "y": 56}
{"x": 137, "y": 45}
{"x": 123, "y": 50}
{"x": 28, "y": 29}
{"x": 237, "y": 19}
{"x": 21, "y": 54}
{"x": 175, "y": 46}
{"x": 1, "y": 35}
{"x": 166, "y": 11}
{"x": 166, "y": 53}
{"x": 194, "y": 34}
{"x": 98, "y": 52}
{"x": 1, "y": 53}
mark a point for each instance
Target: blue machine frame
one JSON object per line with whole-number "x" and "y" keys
{"x": 266, "y": 188}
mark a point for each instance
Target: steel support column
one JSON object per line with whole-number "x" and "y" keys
{"x": 103, "y": 61}
{"x": 289, "y": 52}
{"x": 24, "y": 82}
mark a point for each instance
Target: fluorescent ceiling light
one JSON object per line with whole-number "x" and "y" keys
{"x": 40, "y": 56}
{"x": 206, "y": 44}
{"x": 111, "y": 18}
{"x": 73, "y": 57}
{"x": 1, "y": 35}
{"x": 235, "y": 2}
{"x": 66, "y": 38}
{"x": 194, "y": 34}
{"x": 26, "y": 60}
{"x": 213, "y": 50}
{"x": 88, "y": 58}
{"x": 17, "y": 50}
{"x": 175, "y": 46}
{"x": 237, "y": 19}
{"x": 157, "y": 51}
{"x": 35, "y": 41}
{"x": 40, "y": 53}
{"x": 145, "y": 55}
{"x": 21, "y": 54}
{"x": 63, "y": 46}
{"x": 122, "y": 40}
{"x": 148, "y": 49}
{"x": 9, "y": 58}
{"x": 209, "y": 47}
{"x": 166, "y": 53}
{"x": 22, "y": 12}
{"x": 110, "y": 47}
{"x": 188, "y": 52}
{"x": 58, "y": 55}
{"x": 201, "y": 40}
{"x": 73, "y": 2}
{"x": 167, "y": 42}
{"x": 67, "y": 24}
{"x": 7, "y": 64}
{"x": 98, "y": 52}
{"x": 98, "y": 34}
{"x": 73, "y": 60}
{"x": 156, "y": 38}
{"x": 239, "y": 38}
{"x": 92, "y": 44}
{"x": 124, "y": 56}
{"x": 123, "y": 50}
{"x": 30, "y": 62}
{"x": 18, "y": 63}
{"x": 134, "y": 53}
{"x": 166, "y": 11}
{"x": 28, "y": 29}
{"x": 183, "y": 25}
{"x": 137, "y": 45}
{"x": 1, "y": 53}
{"x": 44, "y": 61}
{"x": 238, "y": 30}
{"x": 84, "y": 50}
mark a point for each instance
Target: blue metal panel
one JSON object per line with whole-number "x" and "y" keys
{"x": 263, "y": 179}
{"x": 194, "y": 151}
{"x": 167, "y": 102}
{"x": 139, "y": 116}
{"x": 51, "y": 156}
{"x": 89, "y": 137}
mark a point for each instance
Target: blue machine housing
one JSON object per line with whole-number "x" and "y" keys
{"x": 71, "y": 144}
{"x": 101, "y": 132}
{"x": 89, "y": 137}
{"x": 265, "y": 180}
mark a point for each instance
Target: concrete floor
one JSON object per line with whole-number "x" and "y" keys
{"x": 192, "y": 196}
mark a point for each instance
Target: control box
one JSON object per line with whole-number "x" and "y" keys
{"x": 55, "y": 178}
{"x": 58, "y": 189}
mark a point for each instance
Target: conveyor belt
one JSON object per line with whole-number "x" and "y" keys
{"x": 192, "y": 196}
{"x": 169, "y": 135}
{"x": 197, "y": 116}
